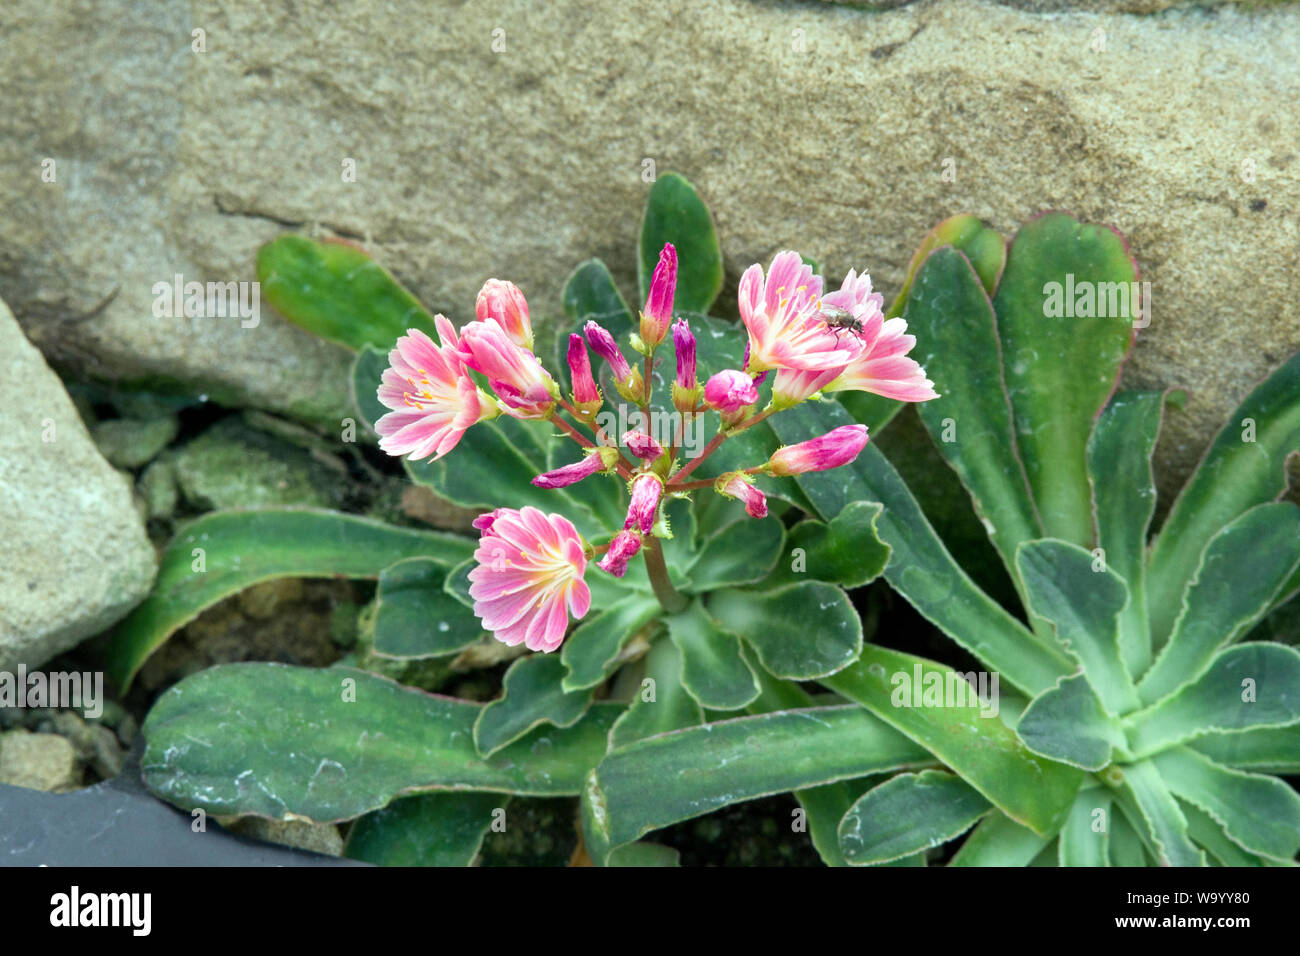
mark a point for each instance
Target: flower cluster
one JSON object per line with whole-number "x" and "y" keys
{"x": 531, "y": 565}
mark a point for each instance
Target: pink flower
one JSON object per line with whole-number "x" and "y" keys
{"x": 503, "y": 303}
{"x": 647, "y": 489}
{"x": 529, "y": 577}
{"x": 598, "y": 459}
{"x": 433, "y": 399}
{"x": 837, "y": 447}
{"x": 686, "y": 393}
{"x": 737, "y": 484}
{"x": 527, "y": 389}
{"x": 642, "y": 445}
{"x": 780, "y": 313}
{"x": 586, "y": 396}
{"x": 621, "y": 550}
{"x": 626, "y": 379}
{"x": 883, "y": 367}
{"x": 658, "y": 311}
{"x": 730, "y": 393}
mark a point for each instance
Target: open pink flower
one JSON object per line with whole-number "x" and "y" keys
{"x": 837, "y": 447}
{"x": 780, "y": 313}
{"x": 524, "y": 387}
{"x": 503, "y": 303}
{"x": 432, "y": 397}
{"x": 529, "y": 577}
{"x": 883, "y": 367}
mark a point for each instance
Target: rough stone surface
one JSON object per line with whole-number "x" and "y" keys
{"x": 317, "y": 837}
{"x": 75, "y": 557}
{"x": 131, "y": 442}
{"x": 38, "y": 761}
{"x": 819, "y": 126}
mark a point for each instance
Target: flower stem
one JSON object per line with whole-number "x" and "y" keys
{"x": 691, "y": 465}
{"x": 668, "y": 595}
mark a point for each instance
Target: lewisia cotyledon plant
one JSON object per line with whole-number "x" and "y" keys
{"x": 529, "y": 578}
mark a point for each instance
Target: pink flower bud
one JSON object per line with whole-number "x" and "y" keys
{"x": 503, "y": 303}
{"x": 684, "y": 345}
{"x": 736, "y": 484}
{"x": 646, "y": 492}
{"x": 658, "y": 311}
{"x": 586, "y": 396}
{"x": 621, "y": 550}
{"x": 642, "y": 445}
{"x": 598, "y": 459}
{"x": 603, "y": 344}
{"x": 730, "y": 392}
{"x": 839, "y": 446}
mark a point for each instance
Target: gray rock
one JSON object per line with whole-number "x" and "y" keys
{"x": 75, "y": 556}
{"x": 823, "y": 127}
{"x": 38, "y": 761}
{"x": 317, "y": 837}
{"x": 232, "y": 466}
{"x": 131, "y": 442}
{"x": 157, "y": 489}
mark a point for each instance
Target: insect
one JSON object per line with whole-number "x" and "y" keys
{"x": 840, "y": 320}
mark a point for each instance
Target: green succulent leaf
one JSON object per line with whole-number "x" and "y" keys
{"x": 1123, "y": 501}
{"x": 432, "y": 829}
{"x": 327, "y": 745}
{"x": 920, "y": 567}
{"x": 1159, "y": 820}
{"x": 984, "y": 247}
{"x": 1246, "y": 466}
{"x": 800, "y": 631}
{"x": 1082, "y": 843}
{"x": 714, "y": 669}
{"x": 1244, "y": 568}
{"x": 1067, "y": 586}
{"x": 1126, "y": 846}
{"x": 896, "y": 688}
{"x": 1250, "y": 685}
{"x": 660, "y": 780}
{"x": 531, "y": 695}
{"x": 1062, "y": 368}
{"x": 675, "y": 213}
{"x": 1207, "y": 833}
{"x": 1264, "y": 749}
{"x": 224, "y": 552}
{"x": 415, "y": 617}
{"x": 957, "y": 342}
{"x": 590, "y": 295}
{"x": 644, "y": 853}
{"x": 997, "y": 840}
{"x": 334, "y": 289}
{"x": 743, "y": 553}
{"x": 661, "y": 703}
{"x": 846, "y": 551}
{"x": 592, "y": 652}
{"x": 907, "y": 814}
{"x": 1259, "y": 813}
{"x": 1068, "y": 723}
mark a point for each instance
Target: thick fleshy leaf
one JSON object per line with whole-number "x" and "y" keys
{"x": 846, "y": 551}
{"x": 1085, "y": 838}
{"x": 1244, "y": 568}
{"x": 592, "y": 652}
{"x": 325, "y": 745}
{"x": 337, "y": 291}
{"x": 1265, "y": 749}
{"x": 590, "y": 295}
{"x": 1066, "y": 321}
{"x": 644, "y": 853}
{"x": 661, "y": 703}
{"x": 1067, "y": 586}
{"x": 984, "y": 247}
{"x": 714, "y": 669}
{"x": 909, "y": 813}
{"x": 1123, "y": 501}
{"x": 801, "y": 631}
{"x": 415, "y": 617}
{"x": 1250, "y": 685}
{"x": 432, "y": 829}
{"x": 920, "y": 567}
{"x": 1246, "y": 466}
{"x": 675, "y": 776}
{"x": 1126, "y": 846}
{"x": 1209, "y": 834}
{"x": 957, "y": 342}
{"x": 531, "y": 695}
{"x": 1157, "y": 816}
{"x": 224, "y": 552}
{"x": 675, "y": 213}
{"x": 1068, "y": 723}
{"x": 1261, "y": 814}
{"x": 999, "y": 841}
{"x": 962, "y": 732}
{"x": 743, "y": 553}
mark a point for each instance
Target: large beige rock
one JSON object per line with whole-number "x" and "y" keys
{"x": 820, "y": 126}
{"x": 74, "y": 556}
